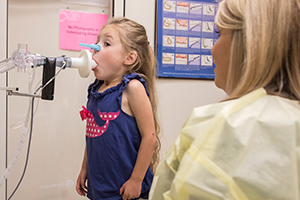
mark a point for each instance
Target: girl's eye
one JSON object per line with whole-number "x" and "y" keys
{"x": 218, "y": 32}
{"x": 106, "y": 44}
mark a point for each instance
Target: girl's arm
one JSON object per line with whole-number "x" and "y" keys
{"x": 136, "y": 99}
{"x": 81, "y": 180}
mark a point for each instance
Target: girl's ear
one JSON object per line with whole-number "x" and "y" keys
{"x": 130, "y": 58}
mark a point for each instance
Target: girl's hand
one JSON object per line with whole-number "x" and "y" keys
{"x": 81, "y": 183}
{"x": 131, "y": 189}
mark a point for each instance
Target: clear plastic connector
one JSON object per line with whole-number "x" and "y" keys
{"x": 6, "y": 65}
{"x": 21, "y": 59}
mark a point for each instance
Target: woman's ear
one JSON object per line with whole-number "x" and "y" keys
{"x": 130, "y": 58}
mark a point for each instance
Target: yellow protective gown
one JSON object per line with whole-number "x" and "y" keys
{"x": 246, "y": 148}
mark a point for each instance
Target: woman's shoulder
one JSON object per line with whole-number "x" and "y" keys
{"x": 256, "y": 105}
{"x": 244, "y": 118}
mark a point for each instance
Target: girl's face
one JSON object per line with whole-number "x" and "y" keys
{"x": 111, "y": 57}
{"x": 221, "y": 54}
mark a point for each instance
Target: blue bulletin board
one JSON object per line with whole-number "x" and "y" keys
{"x": 185, "y": 35}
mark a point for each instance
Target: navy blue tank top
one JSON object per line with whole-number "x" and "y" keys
{"x": 112, "y": 141}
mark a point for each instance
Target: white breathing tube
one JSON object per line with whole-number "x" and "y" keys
{"x": 19, "y": 149}
{"x": 22, "y": 138}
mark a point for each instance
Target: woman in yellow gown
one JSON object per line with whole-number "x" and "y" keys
{"x": 248, "y": 146}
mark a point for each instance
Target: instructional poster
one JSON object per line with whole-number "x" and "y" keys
{"x": 186, "y": 33}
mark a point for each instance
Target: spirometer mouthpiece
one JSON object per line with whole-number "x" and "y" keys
{"x": 84, "y": 63}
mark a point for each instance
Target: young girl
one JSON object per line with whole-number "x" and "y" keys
{"x": 122, "y": 127}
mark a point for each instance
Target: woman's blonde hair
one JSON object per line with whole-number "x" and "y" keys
{"x": 133, "y": 36}
{"x": 265, "y": 49}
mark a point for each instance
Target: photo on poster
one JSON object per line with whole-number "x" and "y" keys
{"x": 186, "y": 32}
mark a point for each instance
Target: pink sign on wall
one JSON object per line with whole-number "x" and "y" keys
{"x": 79, "y": 27}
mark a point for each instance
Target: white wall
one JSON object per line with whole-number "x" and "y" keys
{"x": 177, "y": 97}
{"x": 3, "y": 38}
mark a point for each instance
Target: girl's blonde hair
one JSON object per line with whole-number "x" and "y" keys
{"x": 133, "y": 36}
{"x": 265, "y": 49}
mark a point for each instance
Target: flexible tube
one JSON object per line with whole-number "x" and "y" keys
{"x": 28, "y": 150}
{"x": 23, "y": 135}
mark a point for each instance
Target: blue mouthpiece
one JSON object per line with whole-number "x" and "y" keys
{"x": 95, "y": 47}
